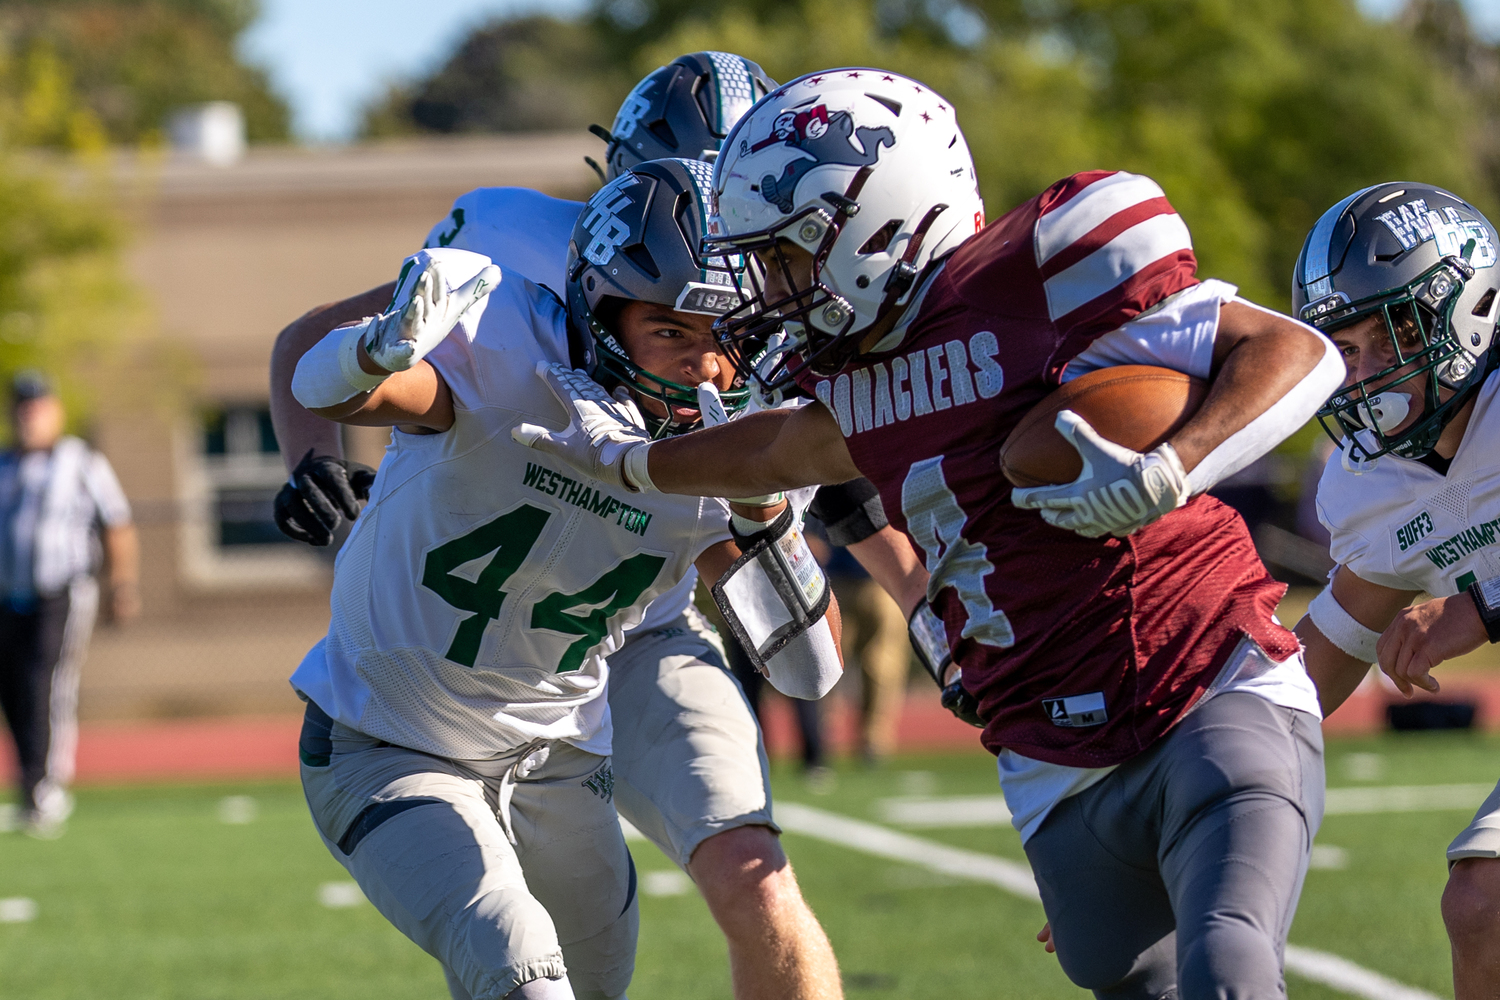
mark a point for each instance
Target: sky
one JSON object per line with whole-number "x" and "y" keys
{"x": 330, "y": 58}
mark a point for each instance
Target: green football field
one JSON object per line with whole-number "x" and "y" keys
{"x": 224, "y": 891}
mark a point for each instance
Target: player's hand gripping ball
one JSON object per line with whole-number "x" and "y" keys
{"x": 601, "y": 431}
{"x": 323, "y": 492}
{"x": 1112, "y": 485}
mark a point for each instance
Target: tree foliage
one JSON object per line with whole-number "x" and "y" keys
{"x": 79, "y": 73}
{"x": 510, "y": 76}
{"x": 1254, "y": 115}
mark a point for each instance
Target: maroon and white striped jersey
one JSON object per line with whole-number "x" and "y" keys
{"x": 1083, "y": 652}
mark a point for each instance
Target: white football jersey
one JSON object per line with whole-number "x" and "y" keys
{"x": 484, "y": 584}
{"x": 527, "y": 232}
{"x": 517, "y": 228}
{"x": 1404, "y": 526}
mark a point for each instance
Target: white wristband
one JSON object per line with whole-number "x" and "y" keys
{"x": 330, "y": 374}
{"x": 1340, "y": 628}
{"x": 634, "y": 469}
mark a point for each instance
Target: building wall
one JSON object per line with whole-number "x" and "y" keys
{"x": 226, "y": 257}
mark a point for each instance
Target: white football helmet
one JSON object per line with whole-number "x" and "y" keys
{"x": 864, "y": 169}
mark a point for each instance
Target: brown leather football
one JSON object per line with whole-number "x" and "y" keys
{"x": 1138, "y": 406}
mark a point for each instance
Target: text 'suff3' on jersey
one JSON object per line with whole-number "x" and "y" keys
{"x": 482, "y": 587}
{"x": 1134, "y": 629}
{"x": 523, "y": 231}
{"x": 1406, "y": 526}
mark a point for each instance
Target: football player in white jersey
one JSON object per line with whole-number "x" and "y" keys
{"x": 1404, "y": 278}
{"x": 455, "y": 755}
{"x": 695, "y": 786}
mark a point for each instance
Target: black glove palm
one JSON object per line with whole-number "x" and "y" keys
{"x": 322, "y": 493}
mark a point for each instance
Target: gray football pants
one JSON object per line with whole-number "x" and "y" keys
{"x": 1178, "y": 874}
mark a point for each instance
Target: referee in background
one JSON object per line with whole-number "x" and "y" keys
{"x": 58, "y": 499}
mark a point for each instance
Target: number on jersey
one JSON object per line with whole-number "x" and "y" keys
{"x": 510, "y": 537}
{"x": 936, "y": 521}
{"x": 587, "y": 613}
{"x": 507, "y": 540}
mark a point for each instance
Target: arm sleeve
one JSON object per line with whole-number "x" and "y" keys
{"x": 104, "y": 488}
{"x": 851, "y": 512}
{"x": 1177, "y": 333}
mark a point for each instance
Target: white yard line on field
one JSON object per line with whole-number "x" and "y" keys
{"x": 1015, "y": 878}
{"x": 1404, "y": 798}
{"x": 936, "y": 812}
{"x": 1345, "y": 976}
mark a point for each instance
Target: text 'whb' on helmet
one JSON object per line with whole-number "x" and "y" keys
{"x": 1425, "y": 261}
{"x": 869, "y": 173}
{"x": 684, "y": 110}
{"x": 637, "y": 241}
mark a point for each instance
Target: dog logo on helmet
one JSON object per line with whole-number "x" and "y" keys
{"x": 826, "y": 138}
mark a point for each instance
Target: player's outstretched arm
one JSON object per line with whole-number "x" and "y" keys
{"x": 298, "y": 430}
{"x": 761, "y": 453}
{"x": 1341, "y": 632}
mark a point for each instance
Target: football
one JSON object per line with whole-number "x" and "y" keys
{"x": 1138, "y": 406}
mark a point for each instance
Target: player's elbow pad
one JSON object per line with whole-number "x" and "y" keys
{"x": 807, "y": 667}
{"x": 329, "y": 373}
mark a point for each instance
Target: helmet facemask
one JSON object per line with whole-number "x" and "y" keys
{"x": 1366, "y": 417}
{"x": 815, "y": 320}
{"x": 818, "y": 322}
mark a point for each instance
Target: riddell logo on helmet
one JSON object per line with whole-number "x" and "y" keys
{"x": 826, "y": 138}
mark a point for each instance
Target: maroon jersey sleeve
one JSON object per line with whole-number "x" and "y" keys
{"x": 1084, "y": 257}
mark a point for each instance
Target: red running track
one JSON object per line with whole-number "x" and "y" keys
{"x": 241, "y": 748}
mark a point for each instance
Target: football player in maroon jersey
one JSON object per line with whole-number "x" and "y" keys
{"x": 1158, "y": 737}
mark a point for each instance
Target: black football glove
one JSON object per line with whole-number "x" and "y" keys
{"x": 958, "y": 700}
{"x": 323, "y": 492}
{"x": 929, "y": 638}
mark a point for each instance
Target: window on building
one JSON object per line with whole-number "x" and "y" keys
{"x": 230, "y": 471}
{"x": 245, "y": 471}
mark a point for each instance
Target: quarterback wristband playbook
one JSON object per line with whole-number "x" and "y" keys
{"x": 1340, "y": 628}
{"x": 929, "y": 639}
{"x": 1486, "y": 595}
{"x": 329, "y": 373}
{"x": 774, "y": 599}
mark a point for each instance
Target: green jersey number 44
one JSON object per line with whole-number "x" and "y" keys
{"x": 507, "y": 540}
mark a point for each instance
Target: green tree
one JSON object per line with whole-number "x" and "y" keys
{"x": 64, "y": 301}
{"x": 531, "y": 74}
{"x": 1255, "y": 115}
{"x": 77, "y": 72}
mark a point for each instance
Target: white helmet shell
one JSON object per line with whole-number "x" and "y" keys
{"x": 865, "y": 169}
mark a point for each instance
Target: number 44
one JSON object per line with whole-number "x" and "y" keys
{"x": 507, "y": 540}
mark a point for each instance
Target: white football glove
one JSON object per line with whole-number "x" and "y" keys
{"x": 601, "y": 437}
{"x": 398, "y": 339}
{"x": 1118, "y": 492}
{"x": 711, "y": 406}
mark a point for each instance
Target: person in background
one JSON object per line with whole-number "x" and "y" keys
{"x": 58, "y": 499}
{"x": 874, "y": 628}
